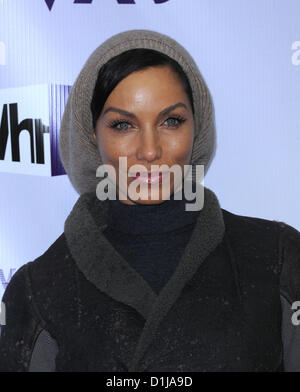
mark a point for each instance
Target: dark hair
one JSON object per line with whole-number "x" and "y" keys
{"x": 118, "y": 67}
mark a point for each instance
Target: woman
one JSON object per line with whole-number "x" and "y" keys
{"x": 142, "y": 283}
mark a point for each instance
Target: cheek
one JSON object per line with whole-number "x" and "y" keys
{"x": 111, "y": 149}
{"x": 181, "y": 148}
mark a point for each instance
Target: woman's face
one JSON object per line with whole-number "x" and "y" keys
{"x": 147, "y": 119}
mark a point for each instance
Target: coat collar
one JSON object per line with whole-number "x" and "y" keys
{"x": 109, "y": 272}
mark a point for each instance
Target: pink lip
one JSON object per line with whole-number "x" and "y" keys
{"x": 149, "y": 177}
{"x": 148, "y": 174}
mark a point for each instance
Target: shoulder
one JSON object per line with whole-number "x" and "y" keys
{"x": 41, "y": 285}
{"x": 55, "y": 260}
{"x": 286, "y": 237}
{"x": 284, "y": 234}
{"x": 289, "y": 237}
{"x": 52, "y": 280}
{"x": 275, "y": 241}
{"x": 251, "y": 234}
{"x": 249, "y": 224}
{"x": 38, "y": 273}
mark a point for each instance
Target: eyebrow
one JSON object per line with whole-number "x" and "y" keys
{"x": 132, "y": 115}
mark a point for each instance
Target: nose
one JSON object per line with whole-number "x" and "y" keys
{"x": 149, "y": 148}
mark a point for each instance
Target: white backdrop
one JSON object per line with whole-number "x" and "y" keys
{"x": 249, "y": 55}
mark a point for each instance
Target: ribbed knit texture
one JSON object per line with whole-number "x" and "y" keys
{"x": 151, "y": 238}
{"x": 79, "y": 152}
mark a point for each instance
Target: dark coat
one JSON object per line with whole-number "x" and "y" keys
{"x": 221, "y": 310}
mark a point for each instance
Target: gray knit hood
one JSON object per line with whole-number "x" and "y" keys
{"x": 78, "y": 150}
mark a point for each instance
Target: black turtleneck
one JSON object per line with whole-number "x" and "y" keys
{"x": 151, "y": 238}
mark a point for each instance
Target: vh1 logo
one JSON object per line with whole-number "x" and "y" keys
{"x": 30, "y": 120}
{"x": 51, "y": 2}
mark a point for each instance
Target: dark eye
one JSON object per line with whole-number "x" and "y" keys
{"x": 175, "y": 122}
{"x": 122, "y": 125}
{"x": 115, "y": 125}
